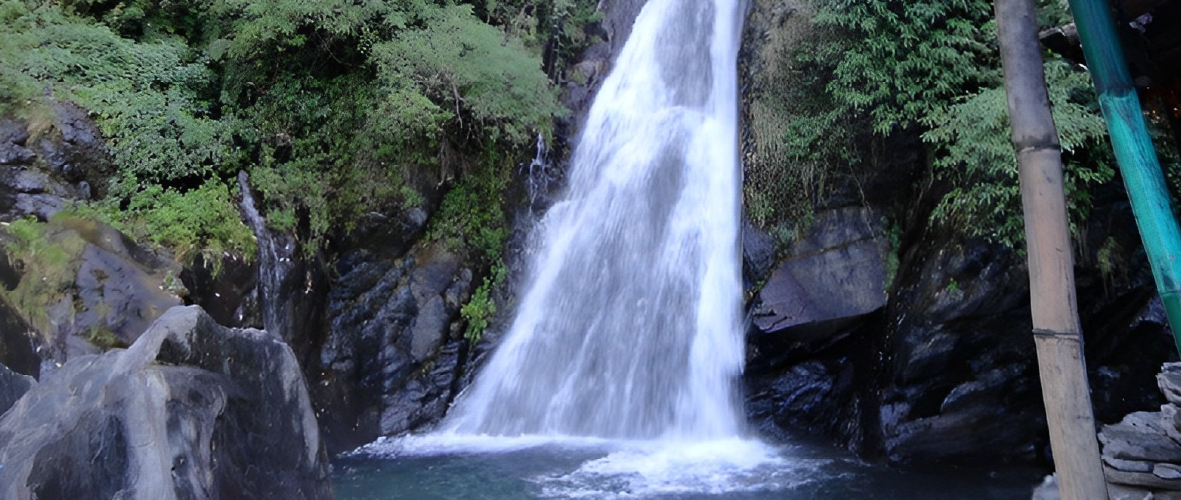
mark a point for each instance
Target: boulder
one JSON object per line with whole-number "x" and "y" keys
{"x": 191, "y": 410}
{"x": 12, "y": 386}
{"x": 84, "y": 287}
{"x": 835, "y": 275}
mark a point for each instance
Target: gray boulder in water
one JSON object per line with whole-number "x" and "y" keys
{"x": 192, "y": 410}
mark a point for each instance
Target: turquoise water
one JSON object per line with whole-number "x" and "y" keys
{"x": 730, "y": 469}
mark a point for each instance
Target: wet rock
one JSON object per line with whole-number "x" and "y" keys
{"x": 946, "y": 436}
{"x": 16, "y": 348}
{"x": 394, "y": 354}
{"x": 835, "y": 275}
{"x": 90, "y": 288}
{"x": 225, "y": 289}
{"x": 758, "y": 254}
{"x": 797, "y": 398}
{"x": 12, "y": 386}
{"x": 116, "y": 295}
{"x": 191, "y": 410}
{"x": 594, "y": 64}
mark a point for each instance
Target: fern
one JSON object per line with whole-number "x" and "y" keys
{"x": 976, "y": 154}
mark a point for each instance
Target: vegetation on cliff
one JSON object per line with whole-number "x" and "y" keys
{"x": 871, "y": 72}
{"x": 335, "y": 108}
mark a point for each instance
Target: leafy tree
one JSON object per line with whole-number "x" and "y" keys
{"x": 333, "y": 106}
{"x": 931, "y": 68}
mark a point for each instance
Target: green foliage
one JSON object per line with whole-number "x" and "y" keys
{"x": 47, "y": 256}
{"x": 931, "y": 68}
{"x": 799, "y": 136}
{"x": 104, "y": 338}
{"x": 1110, "y": 258}
{"x": 461, "y": 62}
{"x": 557, "y": 26}
{"x": 144, "y": 95}
{"x": 198, "y": 221}
{"x": 480, "y": 307}
{"x": 904, "y": 59}
{"x": 972, "y": 137}
{"x": 336, "y": 108}
{"x": 471, "y": 217}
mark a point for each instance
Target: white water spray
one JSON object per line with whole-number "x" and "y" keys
{"x": 630, "y": 327}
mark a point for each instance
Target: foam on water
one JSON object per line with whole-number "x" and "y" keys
{"x": 669, "y": 468}
{"x": 626, "y": 468}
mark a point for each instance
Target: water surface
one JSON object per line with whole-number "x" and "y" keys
{"x": 524, "y": 468}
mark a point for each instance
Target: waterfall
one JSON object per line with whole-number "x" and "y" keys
{"x": 274, "y": 264}
{"x": 630, "y": 324}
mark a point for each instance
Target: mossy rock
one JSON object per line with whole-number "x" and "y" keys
{"x": 80, "y": 279}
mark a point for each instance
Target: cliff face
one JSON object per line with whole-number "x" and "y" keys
{"x": 899, "y": 338}
{"x": 894, "y": 337}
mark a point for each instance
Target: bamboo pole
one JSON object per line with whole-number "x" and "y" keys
{"x": 1134, "y": 153}
{"x": 1056, "y": 330}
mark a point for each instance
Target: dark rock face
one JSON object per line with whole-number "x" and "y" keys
{"x": 836, "y": 274}
{"x": 394, "y": 355}
{"x": 593, "y": 65}
{"x": 12, "y": 386}
{"x": 961, "y": 368}
{"x": 108, "y": 290}
{"x": 758, "y": 255}
{"x": 807, "y": 317}
{"x": 226, "y": 290}
{"x": 940, "y": 365}
{"x": 191, "y": 410}
{"x": 42, "y": 169}
{"x": 16, "y": 348}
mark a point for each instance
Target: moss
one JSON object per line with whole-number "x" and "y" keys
{"x": 47, "y": 255}
{"x": 104, "y": 339}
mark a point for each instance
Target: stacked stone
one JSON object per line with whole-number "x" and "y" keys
{"x": 1142, "y": 453}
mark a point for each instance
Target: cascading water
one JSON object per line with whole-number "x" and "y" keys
{"x": 630, "y": 327}
{"x": 616, "y": 377}
{"x": 274, "y": 263}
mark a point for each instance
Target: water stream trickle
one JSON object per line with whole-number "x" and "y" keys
{"x": 275, "y": 251}
{"x": 630, "y": 326}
